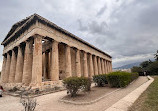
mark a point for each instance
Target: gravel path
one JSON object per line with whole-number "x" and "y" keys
{"x": 50, "y": 102}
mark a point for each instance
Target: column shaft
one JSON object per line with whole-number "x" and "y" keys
{"x": 7, "y": 69}
{"x": 102, "y": 64}
{"x": 99, "y": 66}
{"x": 12, "y": 67}
{"x": 3, "y": 69}
{"x": 95, "y": 66}
{"x": 19, "y": 66}
{"x": 68, "y": 62}
{"x": 28, "y": 58}
{"x": 78, "y": 64}
{"x": 37, "y": 61}
{"x": 55, "y": 62}
{"x": 85, "y": 69}
{"x": 91, "y": 71}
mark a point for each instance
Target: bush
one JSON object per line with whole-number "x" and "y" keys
{"x": 134, "y": 76}
{"x": 119, "y": 79}
{"x": 73, "y": 84}
{"x": 100, "y": 80}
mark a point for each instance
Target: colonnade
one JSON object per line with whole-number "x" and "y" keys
{"x": 29, "y": 64}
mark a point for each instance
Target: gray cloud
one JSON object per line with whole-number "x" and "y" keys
{"x": 125, "y": 29}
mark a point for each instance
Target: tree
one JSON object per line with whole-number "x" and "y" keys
{"x": 156, "y": 56}
{"x": 153, "y": 68}
{"x": 137, "y": 69}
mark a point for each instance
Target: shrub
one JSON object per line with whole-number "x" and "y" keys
{"x": 100, "y": 80}
{"x": 73, "y": 84}
{"x": 119, "y": 79}
{"x": 134, "y": 76}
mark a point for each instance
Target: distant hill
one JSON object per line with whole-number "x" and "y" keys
{"x": 128, "y": 66}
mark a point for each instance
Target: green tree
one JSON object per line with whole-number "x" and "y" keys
{"x": 136, "y": 69}
{"x": 156, "y": 56}
{"x": 153, "y": 68}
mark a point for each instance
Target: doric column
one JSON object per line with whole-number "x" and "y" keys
{"x": 68, "y": 62}
{"x": 7, "y": 68}
{"x": 107, "y": 63}
{"x": 46, "y": 65}
{"x": 55, "y": 62}
{"x": 91, "y": 71}
{"x": 3, "y": 69}
{"x": 105, "y": 66}
{"x": 99, "y": 66}
{"x": 19, "y": 66}
{"x": 78, "y": 64}
{"x": 102, "y": 65}
{"x": 28, "y": 58}
{"x": 12, "y": 67}
{"x": 85, "y": 69}
{"x": 95, "y": 66}
{"x": 37, "y": 61}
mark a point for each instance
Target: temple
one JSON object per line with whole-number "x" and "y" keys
{"x": 38, "y": 52}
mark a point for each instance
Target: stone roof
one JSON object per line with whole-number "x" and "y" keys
{"x": 19, "y": 27}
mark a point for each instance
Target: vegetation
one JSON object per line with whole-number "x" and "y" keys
{"x": 149, "y": 67}
{"x": 73, "y": 84}
{"x": 100, "y": 80}
{"x": 148, "y": 101}
{"x": 121, "y": 79}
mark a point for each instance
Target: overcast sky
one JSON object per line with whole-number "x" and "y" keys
{"x": 125, "y": 29}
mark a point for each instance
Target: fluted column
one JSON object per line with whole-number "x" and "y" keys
{"x": 95, "y": 66}
{"x": 28, "y": 58}
{"x": 12, "y": 67}
{"x": 55, "y": 62}
{"x": 78, "y": 64}
{"x": 68, "y": 62}
{"x": 3, "y": 69}
{"x": 91, "y": 70}
{"x": 37, "y": 61}
{"x": 105, "y": 66}
{"x": 85, "y": 69}
{"x": 99, "y": 66}
{"x": 7, "y": 68}
{"x": 107, "y": 63}
{"x": 46, "y": 66}
{"x": 102, "y": 65}
{"x": 19, "y": 66}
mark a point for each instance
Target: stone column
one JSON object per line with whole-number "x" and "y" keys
{"x": 85, "y": 69}
{"x": 55, "y": 62}
{"x": 3, "y": 69}
{"x": 95, "y": 66}
{"x": 107, "y": 63}
{"x": 28, "y": 58}
{"x": 19, "y": 66}
{"x": 12, "y": 67}
{"x": 7, "y": 68}
{"x": 99, "y": 66}
{"x": 102, "y": 64}
{"x": 78, "y": 64}
{"x": 37, "y": 61}
{"x": 105, "y": 66}
{"x": 91, "y": 71}
{"x": 68, "y": 62}
{"x": 46, "y": 66}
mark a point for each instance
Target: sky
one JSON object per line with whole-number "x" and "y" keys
{"x": 125, "y": 29}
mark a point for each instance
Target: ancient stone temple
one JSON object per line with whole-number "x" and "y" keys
{"x": 38, "y": 52}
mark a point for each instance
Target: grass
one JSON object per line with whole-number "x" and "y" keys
{"x": 148, "y": 101}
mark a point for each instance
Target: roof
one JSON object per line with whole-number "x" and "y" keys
{"x": 19, "y": 27}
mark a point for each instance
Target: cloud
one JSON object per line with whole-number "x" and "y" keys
{"x": 126, "y": 29}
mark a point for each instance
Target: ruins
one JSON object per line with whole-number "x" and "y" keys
{"x": 38, "y": 52}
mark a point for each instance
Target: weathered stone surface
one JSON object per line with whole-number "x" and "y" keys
{"x": 19, "y": 66}
{"x": 95, "y": 66}
{"x": 37, "y": 61}
{"x": 7, "y": 69}
{"x": 85, "y": 69}
{"x": 55, "y": 62}
{"x": 91, "y": 71}
{"x": 12, "y": 67}
{"x": 78, "y": 65}
{"x": 28, "y": 58}
{"x": 68, "y": 62}
{"x": 3, "y": 69}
